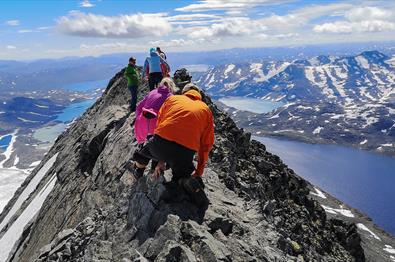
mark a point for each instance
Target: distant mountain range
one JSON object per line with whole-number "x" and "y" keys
{"x": 47, "y": 74}
{"x": 343, "y": 99}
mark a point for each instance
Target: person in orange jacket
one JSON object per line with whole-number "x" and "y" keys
{"x": 185, "y": 126}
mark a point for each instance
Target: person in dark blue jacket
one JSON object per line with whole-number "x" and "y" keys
{"x": 153, "y": 69}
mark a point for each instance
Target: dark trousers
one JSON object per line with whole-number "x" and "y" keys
{"x": 177, "y": 157}
{"x": 133, "y": 91}
{"x": 154, "y": 80}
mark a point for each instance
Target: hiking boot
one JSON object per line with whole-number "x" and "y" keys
{"x": 195, "y": 191}
{"x": 137, "y": 172}
{"x": 172, "y": 192}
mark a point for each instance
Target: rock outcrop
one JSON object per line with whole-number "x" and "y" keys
{"x": 260, "y": 210}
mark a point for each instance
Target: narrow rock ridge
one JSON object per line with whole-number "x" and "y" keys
{"x": 260, "y": 209}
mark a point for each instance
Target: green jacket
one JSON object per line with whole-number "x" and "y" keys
{"x": 132, "y": 75}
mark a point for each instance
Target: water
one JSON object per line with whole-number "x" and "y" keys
{"x": 86, "y": 86}
{"x": 74, "y": 110}
{"x": 5, "y": 141}
{"x": 254, "y": 105}
{"x": 361, "y": 179}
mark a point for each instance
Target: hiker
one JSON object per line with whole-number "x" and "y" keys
{"x": 161, "y": 53}
{"x": 153, "y": 69}
{"x": 132, "y": 75}
{"x": 165, "y": 71}
{"x": 181, "y": 78}
{"x": 185, "y": 126}
{"x": 148, "y": 109}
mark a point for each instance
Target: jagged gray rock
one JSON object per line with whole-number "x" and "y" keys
{"x": 259, "y": 209}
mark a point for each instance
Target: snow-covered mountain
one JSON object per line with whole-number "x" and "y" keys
{"x": 368, "y": 77}
{"x": 349, "y": 99}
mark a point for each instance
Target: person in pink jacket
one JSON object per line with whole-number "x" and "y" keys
{"x": 147, "y": 110}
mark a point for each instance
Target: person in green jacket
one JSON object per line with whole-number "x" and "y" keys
{"x": 132, "y": 75}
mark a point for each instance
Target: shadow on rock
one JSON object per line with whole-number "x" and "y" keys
{"x": 147, "y": 209}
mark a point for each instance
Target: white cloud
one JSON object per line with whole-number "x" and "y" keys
{"x": 229, "y": 5}
{"x": 368, "y": 13}
{"x": 12, "y": 22}
{"x": 345, "y": 27}
{"x": 174, "y": 42}
{"x": 360, "y": 20}
{"x": 272, "y": 25}
{"x": 42, "y": 28}
{"x": 86, "y": 4}
{"x": 238, "y": 26}
{"x": 194, "y": 19}
{"x": 117, "y": 46}
{"x": 122, "y": 26}
{"x": 10, "y": 47}
{"x": 23, "y": 31}
{"x": 315, "y": 11}
{"x": 191, "y": 17}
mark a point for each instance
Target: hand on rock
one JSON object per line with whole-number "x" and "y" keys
{"x": 160, "y": 167}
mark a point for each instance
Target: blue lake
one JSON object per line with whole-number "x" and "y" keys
{"x": 74, "y": 110}
{"x": 5, "y": 141}
{"x": 254, "y": 105}
{"x": 88, "y": 85}
{"x": 359, "y": 178}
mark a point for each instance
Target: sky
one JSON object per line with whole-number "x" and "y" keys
{"x": 34, "y": 29}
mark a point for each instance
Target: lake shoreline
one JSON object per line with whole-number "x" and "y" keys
{"x": 257, "y": 123}
{"x": 346, "y": 173}
{"x": 314, "y": 141}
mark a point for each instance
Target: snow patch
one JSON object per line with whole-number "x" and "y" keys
{"x": 274, "y": 70}
{"x": 41, "y": 106}
{"x": 362, "y": 61}
{"x": 26, "y": 120}
{"x": 338, "y": 211}
{"x": 228, "y": 69}
{"x": 363, "y": 227}
{"x": 36, "y": 163}
{"x": 28, "y": 190}
{"x": 317, "y": 130}
{"x": 13, "y": 233}
{"x": 10, "y": 181}
{"x": 363, "y": 142}
{"x": 389, "y": 249}
{"x": 318, "y": 193}
{"x": 16, "y": 160}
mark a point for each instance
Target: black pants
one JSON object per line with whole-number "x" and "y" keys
{"x": 133, "y": 91}
{"x": 154, "y": 80}
{"x": 178, "y": 157}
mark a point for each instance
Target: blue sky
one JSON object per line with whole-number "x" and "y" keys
{"x": 49, "y": 29}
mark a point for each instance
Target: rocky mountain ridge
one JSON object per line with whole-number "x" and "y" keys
{"x": 79, "y": 204}
{"x": 346, "y": 100}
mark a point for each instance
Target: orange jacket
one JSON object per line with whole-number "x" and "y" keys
{"x": 187, "y": 120}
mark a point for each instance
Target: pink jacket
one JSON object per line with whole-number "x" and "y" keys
{"x": 151, "y": 103}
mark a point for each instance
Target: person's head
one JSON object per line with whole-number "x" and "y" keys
{"x": 158, "y": 50}
{"x": 190, "y": 86}
{"x": 169, "y": 83}
{"x": 152, "y": 50}
{"x": 132, "y": 61}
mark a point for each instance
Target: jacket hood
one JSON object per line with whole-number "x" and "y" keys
{"x": 163, "y": 89}
{"x": 193, "y": 94}
{"x": 152, "y": 54}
